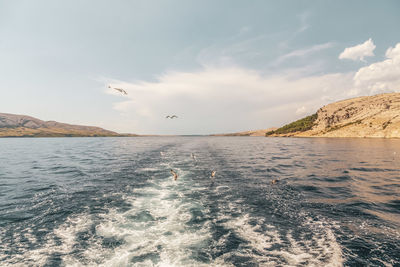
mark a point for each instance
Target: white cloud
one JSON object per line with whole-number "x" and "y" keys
{"x": 225, "y": 99}
{"x": 359, "y": 52}
{"x": 303, "y": 22}
{"x": 379, "y": 77}
{"x": 304, "y": 52}
{"x": 393, "y": 52}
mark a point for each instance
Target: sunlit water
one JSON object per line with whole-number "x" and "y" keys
{"x": 113, "y": 202}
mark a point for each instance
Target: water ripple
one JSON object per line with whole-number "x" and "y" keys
{"x": 112, "y": 202}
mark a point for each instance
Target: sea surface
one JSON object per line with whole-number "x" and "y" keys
{"x": 113, "y": 202}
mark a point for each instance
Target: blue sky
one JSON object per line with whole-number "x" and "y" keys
{"x": 221, "y": 66}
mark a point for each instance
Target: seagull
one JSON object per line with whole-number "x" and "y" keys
{"x": 162, "y": 154}
{"x": 193, "y": 156}
{"x": 119, "y": 90}
{"x": 171, "y": 117}
{"x": 174, "y": 174}
{"x": 213, "y": 174}
{"x": 274, "y": 181}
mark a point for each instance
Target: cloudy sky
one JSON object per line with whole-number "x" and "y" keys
{"x": 221, "y": 66}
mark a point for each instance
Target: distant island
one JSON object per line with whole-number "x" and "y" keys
{"x": 12, "y": 125}
{"x": 248, "y": 133}
{"x": 369, "y": 116}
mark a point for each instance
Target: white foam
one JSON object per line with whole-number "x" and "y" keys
{"x": 154, "y": 232}
{"x": 322, "y": 250}
{"x": 66, "y": 233}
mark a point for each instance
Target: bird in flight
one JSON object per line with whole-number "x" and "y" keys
{"x": 171, "y": 117}
{"x": 119, "y": 90}
{"x": 213, "y": 174}
{"x": 174, "y": 174}
{"x": 274, "y": 181}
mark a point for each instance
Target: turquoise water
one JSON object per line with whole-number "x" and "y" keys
{"x": 113, "y": 202}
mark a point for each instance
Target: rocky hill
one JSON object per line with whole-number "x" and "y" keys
{"x": 12, "y": 125}
{"x": 368, "y": 116}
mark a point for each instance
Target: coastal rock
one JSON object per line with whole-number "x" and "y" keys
{"x": 368, "y": 116}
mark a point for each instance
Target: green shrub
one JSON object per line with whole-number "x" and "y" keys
{"x": 301, "y": 125}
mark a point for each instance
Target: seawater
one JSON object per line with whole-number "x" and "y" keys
{"x": 113, "y": 202}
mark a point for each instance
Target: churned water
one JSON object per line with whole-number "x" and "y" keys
{"x": 113, "y": 202}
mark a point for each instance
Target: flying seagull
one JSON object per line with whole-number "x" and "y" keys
{"x": 274, "y": 181}
{"x": 213, "y": 174}
{"x": 171, "y": 117}
{"x": 119, "y": 90}
{"x": 174, "y": 174}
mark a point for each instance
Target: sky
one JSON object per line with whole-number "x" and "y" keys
{"x": 220, "y": 66}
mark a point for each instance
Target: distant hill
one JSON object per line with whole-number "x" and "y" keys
{"x": 12, "y": 125}
{"x": 247, "y": 133}
{"x": 368, "y": 116}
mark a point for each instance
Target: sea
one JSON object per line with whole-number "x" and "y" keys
{"x": 114, "y": 202}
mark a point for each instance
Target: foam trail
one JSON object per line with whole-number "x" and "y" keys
{"x": 273, "y": 247}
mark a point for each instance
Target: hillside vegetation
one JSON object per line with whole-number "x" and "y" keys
{"x": 301, "y": 125}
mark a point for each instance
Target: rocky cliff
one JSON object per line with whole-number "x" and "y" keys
{"x": 369, "y": 116}
{"x": 12, "y": 125}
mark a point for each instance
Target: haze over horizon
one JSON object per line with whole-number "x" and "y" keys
{"x": 223, "y": 66}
